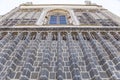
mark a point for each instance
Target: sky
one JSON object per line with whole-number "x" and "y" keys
{"x": 111, "y": 5}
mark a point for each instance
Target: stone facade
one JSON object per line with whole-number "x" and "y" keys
{"x": 59, "y": 42}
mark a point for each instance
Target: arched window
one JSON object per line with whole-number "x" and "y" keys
{"x": 58, "y": 17}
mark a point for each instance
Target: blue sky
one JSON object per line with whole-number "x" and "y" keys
{"x": 111, "y": 5}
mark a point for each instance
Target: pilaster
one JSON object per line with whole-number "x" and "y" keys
{"x": 74, "y": 18}
{"x": 42, "y": 17}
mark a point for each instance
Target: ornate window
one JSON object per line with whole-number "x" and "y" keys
{"x": 57, "y": 17}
